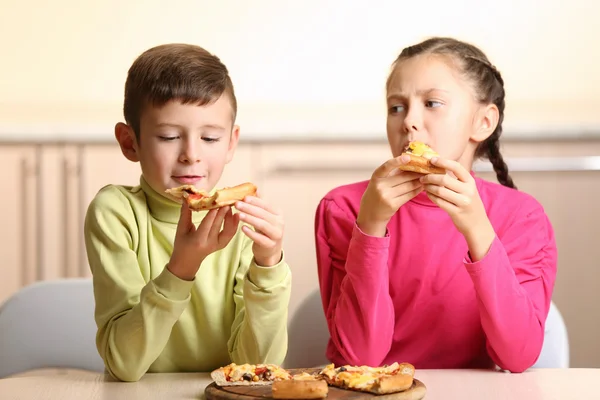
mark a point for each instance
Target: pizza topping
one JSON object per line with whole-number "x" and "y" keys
{"x": 255, "y": 373}
{"x": 420, "y": 149}
{"x": 364, "y": 378}
{"x": 305, "y": 376}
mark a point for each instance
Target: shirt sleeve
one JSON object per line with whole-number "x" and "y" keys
{"x": 354, "y": 283}
{"x": 261, "y": 296}
{"x": 134, "y": 316}
{"x": 514, "y": 284}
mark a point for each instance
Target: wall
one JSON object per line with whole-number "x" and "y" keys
{"x": 310, "y": 66}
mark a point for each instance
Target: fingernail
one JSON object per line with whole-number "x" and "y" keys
{"x": 434, "y": 160}
{"x": 242, "y": 215}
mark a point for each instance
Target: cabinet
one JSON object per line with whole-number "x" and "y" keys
{"x": 295, "y": 178}
{"x": 19, "y": 233}
{"x": 47, "y": 188}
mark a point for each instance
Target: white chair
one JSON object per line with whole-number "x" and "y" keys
{"x": 555, "y": 350}
{"x": 308, "y": 337}
{"x": 49, "y": 324}
{"x": 308, "y": 334}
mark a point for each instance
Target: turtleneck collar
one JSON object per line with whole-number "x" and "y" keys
{"x": 164, "y": 209}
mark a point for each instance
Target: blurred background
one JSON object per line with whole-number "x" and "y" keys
{"x": 310, "y": 78}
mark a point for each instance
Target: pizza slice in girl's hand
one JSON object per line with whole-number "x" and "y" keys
{"x": 420, "y": 159}
{"x": 200, "y": 200}
{"x": 377, "y": 380}
{"x": 249, "y": 374}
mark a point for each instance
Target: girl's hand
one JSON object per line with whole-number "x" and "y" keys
{"x": 388, "y": 189}
{"x": 456, "y": 193}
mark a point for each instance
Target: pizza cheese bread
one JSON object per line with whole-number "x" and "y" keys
{"x": 420, "y": 159}
{"x": 249, "y": 374}
{"x": 377, "y": 380}
{"x": 301, "y": 386}
{"x": 200, "y": 200}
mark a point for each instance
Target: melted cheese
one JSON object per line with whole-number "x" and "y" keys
{"x": 238, "y": 371}
{"x": 356, "y": 380}
{"x": 305, "y": 376}
{"x": 420, "y": 149}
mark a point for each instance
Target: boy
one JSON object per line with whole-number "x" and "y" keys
{"x": 179, "y": 291}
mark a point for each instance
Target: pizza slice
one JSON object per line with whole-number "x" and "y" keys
{"x": 200, "y": 200}
{"x": 420, "y": 159}
{"x": 301, "y": 386}
{"x": 249, "y": 374}
{"x": 377, "y": 380}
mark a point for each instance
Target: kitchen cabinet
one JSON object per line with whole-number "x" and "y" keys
{"x": 49, "y": 186}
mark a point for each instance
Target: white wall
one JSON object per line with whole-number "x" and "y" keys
{"x": 297, "y": 65}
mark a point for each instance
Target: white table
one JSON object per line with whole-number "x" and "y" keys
{"x": 535, "y": 384}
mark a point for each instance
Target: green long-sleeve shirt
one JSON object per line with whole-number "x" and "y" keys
{"x": 151, "y": 321}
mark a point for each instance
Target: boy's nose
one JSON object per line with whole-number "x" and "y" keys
{"x": 189, "y": 155}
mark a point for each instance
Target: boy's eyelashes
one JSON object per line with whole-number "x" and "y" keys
{"x": 171, "y": 138}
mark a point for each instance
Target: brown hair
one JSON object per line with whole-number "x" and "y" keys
{"x": 489, "y": 87}
{"x": 182, "y": 72}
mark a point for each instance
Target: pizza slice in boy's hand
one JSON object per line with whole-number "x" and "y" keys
{"x": 420, "y": 159}
{"x": 377, "y": 380}
{"x": 200, "y": 200}
{"x": 249, "y": 374}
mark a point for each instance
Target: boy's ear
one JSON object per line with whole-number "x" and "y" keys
{"x": 486, "y": 123}
{"x": 233, "y": 142}
{"x": 127, "y": 140}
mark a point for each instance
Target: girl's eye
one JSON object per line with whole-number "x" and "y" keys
{"x": 168, "y": 138}
{"x": 210, "y": 140}
{"x": 396, "y": 109}
{"x": 433, "y": 103}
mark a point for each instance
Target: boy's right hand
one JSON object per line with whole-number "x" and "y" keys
{"x": 388, "y": 189}
{"x": 192, "y": 245}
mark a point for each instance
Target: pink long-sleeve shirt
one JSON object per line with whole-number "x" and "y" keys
{"x": 415, "y": 296}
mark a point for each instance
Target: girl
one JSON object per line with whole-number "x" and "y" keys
{"x": 442, "y": 271}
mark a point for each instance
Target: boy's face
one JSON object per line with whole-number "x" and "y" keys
{"x": 185, "y": 144}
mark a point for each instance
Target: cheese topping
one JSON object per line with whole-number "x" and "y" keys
{"x": 305, "y": 376}
{"x": 269, "y": 372}
{"x": 420, "y": 149}
{"x": 354, "y": 380}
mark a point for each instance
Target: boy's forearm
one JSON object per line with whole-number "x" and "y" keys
{"x": 260, "y": 330}
{"x": 131, "y": 341}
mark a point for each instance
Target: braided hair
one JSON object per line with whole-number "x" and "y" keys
{"x": 489, "y": 88}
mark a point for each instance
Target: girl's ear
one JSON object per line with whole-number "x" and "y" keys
{"x": 127, "y": 140}
{"x": 486, "y": 122}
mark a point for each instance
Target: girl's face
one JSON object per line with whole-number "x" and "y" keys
{"x": 429, "y": 101}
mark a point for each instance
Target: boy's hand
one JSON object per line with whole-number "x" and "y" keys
{"x": 192, "y": 245}
{"x": 268, "y": 229}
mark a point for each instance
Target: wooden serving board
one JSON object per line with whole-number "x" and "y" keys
{"x": 214, "y": 392}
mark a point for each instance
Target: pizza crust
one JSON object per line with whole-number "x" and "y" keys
{"x": 391, "y": 384}
{"x": 300, "y": 389}
{"x": 420, "y": 165}
{"x": 200, "y": 200}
